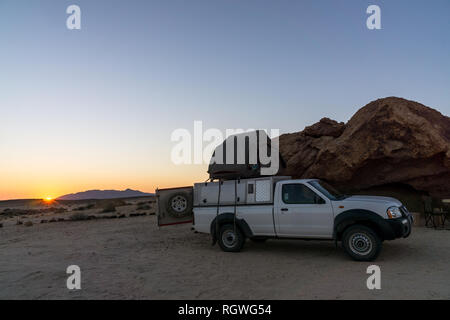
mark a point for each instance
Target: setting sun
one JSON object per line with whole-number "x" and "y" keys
{"x": 48, "y": 199}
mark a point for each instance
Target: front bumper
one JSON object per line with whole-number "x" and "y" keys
{"x": 398, "y": 228}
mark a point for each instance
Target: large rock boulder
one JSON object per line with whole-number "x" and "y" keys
{"x": 389, "y": 141}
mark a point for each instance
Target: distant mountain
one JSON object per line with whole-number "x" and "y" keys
{"x": 104, "y": 194}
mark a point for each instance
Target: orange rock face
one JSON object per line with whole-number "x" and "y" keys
{"x": 389, "y": 141}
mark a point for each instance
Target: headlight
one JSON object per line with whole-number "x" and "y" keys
{"x": 394, "y": 212}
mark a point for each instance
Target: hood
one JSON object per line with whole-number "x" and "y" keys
{"x": 374, "y": 199}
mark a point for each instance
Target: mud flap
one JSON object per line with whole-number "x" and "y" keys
{"x": 214, "y": 232}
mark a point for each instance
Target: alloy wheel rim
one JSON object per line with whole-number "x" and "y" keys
{"x": 229, "y": 238}
{"x": 179, "y": 204}
{"x": 360, "y": 244}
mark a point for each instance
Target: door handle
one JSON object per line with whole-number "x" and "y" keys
{"x": 284, "y": 209}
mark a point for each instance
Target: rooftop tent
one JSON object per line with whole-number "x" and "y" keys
{"x": 244, "y": 157}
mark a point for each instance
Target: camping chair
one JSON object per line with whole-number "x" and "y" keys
{"x": 446, "y": 213}
{"x": 431, "y": 215}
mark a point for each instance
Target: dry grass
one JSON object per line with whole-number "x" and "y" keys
{"x": 21, "y": 212}
{"x": 109, "y": 205}
{"x": 109, "y": 208}
{"x": 143, "y": 207}
{"x": 78, "y": 217}
{"x": 89, "y": 206}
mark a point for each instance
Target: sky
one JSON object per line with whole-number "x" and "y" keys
{"x": 95, "y": 108}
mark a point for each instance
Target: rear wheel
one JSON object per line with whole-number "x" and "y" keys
{"x": 361, "y": 243}
{"x": 231, "y": 239}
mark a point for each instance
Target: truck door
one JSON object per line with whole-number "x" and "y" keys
{"x": 301, "y": 212}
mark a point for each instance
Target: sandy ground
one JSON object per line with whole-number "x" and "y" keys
{"x": 132, "y": 259}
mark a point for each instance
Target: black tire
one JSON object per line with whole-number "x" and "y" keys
{"x": 180, "y": 205}
{"x": 231, "y": 238}
{"x": 361, "y": 243}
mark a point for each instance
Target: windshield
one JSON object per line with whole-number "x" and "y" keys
{"x": 329, "y": 191}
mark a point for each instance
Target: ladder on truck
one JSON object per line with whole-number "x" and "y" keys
{"x": 236, "y": 181}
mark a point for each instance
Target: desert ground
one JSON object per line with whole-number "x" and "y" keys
{"x": 131, "y": 258}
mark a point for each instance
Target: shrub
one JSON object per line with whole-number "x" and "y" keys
{"x": 109, "y": 208}
{"x": 110, "y": 205}
{"x": 89, "y": 206}
{"x": 18, "y": 212}
{"x": 143, "y": 207}
{"x": 79, "y": 217}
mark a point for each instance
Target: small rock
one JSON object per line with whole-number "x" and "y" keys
{"x": 325, "y": 127}
{"x": 28, "y": 224}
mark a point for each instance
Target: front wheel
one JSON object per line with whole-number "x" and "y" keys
{"x": 231, "y": 239}
{"x": 361, "y": 243}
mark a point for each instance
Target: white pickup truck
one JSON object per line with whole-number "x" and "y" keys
{"x": 283, "y": 208}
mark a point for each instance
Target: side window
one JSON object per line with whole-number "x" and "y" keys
{"x": 296, "y": 193}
